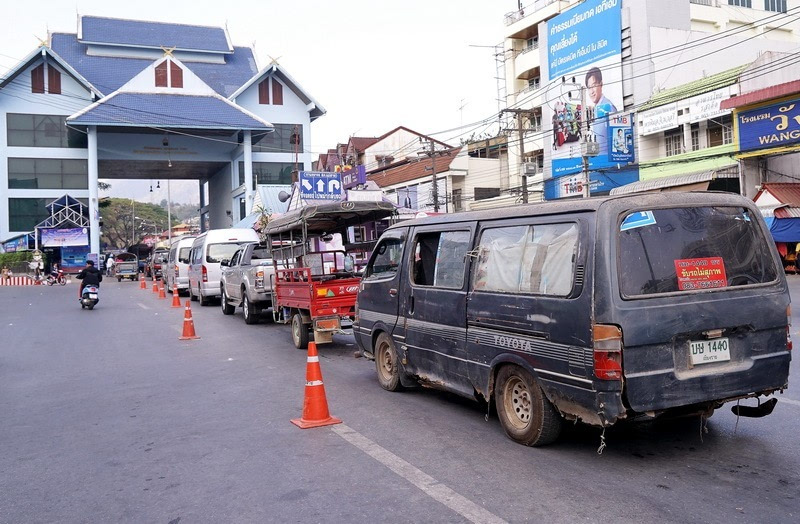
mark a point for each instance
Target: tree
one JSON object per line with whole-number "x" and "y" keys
{"x": 123, "y": 219}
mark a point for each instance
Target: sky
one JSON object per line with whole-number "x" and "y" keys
{"x": 373, "y": 65}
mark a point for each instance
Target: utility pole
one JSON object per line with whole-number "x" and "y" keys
{"x": 523, "y": 176}
{"x": 435, "y": 192}
{"x": 588, "y": 147}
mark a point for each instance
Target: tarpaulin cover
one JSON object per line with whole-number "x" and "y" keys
{"x": 784, "y": 229}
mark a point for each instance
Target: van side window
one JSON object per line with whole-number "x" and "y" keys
{"x": 440, "y": 259}
{"x": 535, "y": 259}
{"x": 386, "y": 259}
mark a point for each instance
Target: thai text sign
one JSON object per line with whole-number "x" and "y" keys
{"x": 78, "y": 236}
{"x": 700, "y": 273}
{"x": 587, "y": 33}
{"x": 354, "y": 177}
{"x": 776, "y": 125}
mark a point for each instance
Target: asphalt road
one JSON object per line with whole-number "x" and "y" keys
{"x": 105, "y": 416}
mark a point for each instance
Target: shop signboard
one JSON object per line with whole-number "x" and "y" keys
{"x": 769, "y": 127}
{"x": 77, "y": 236}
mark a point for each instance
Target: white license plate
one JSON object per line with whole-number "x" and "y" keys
{"x": 706, "y": 351}
{"x": 93, "y": 295}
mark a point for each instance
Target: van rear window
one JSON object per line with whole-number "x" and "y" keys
{"x": 690, "y": 249}
{"x": 219, "y": 252}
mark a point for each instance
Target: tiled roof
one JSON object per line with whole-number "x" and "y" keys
{"x": 360, "y": 143}
{"x": 413, "y": 170}
{"x": 136, "y": 33}
{"x": 398, "y": 128}
{"x": 108, "y": 74}
{"x": 787, "y": 194}
{"x": 166, "y": 110}
{"x": 697, "y": 87}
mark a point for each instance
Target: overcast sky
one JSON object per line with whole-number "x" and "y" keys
{"x": 373, "y": 65}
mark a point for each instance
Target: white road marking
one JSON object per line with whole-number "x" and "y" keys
{"x": 142, "y": 305}
{"x": 429, "y": 485}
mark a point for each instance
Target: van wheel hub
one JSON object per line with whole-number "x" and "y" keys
{"x": 519, "y": 397}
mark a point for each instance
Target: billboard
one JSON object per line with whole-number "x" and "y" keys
{"x": 775, "y": 125}
{"x": 584, "y": 63}
{"x": 77, "y": 236}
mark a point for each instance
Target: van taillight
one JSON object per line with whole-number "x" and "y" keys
{"x": 177, "y": 271}
{"x": 205, "y": 273}
{"x": 607, "y": 352}
{"x": 789, "y": 328}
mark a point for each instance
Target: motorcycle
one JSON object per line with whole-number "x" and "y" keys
{"x": 90, "y": 296}
{"x": 53, "y": 279}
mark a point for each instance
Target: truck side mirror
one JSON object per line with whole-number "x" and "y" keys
{"x": 349, "y": 264}
{"x": 225, "y": 262}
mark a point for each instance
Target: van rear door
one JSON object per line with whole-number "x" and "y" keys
{"x": 701, "y": 303}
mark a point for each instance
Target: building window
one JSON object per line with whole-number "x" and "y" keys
{"x": 531, "y": 43}
{"x": 741, "y": 3}
{"x": 269, "y": 172}
{"x": 53, "y": 80}
{"x": 242, "y": 208}
{"x": 482, "y": 193}
{"x": 25, "y": 213}
{"x": 695, "y": 137}
{"x": 457, "y": 205}
{"x": 282, "y": 140}
{"x": 263, "y": 92}
{"x": 277, "y": 93}
{"x": 42, "y": 131}
{"x": 37, "y": 79}
{"x": 169, "y": 74}
{"x": 778, "y": 6}
{"x": 534, "y": 83}
{"x": 674, "y": 143}
{"x": 47, "y": 173}
{"x": 720, "y": 131}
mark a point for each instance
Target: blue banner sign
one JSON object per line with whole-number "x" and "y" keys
{"x": 773, "y": 126}
{"x": 78, "y": 236}
{"x": 354, "y": 177}
{"x": 320, "y": 185}
{"x": 587, "y": 33}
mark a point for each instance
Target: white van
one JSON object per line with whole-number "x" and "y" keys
{"x": 176, "y": 272}
{"x": 208, "y": 250}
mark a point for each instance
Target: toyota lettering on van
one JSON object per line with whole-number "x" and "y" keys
{"x": 512, "y": 343}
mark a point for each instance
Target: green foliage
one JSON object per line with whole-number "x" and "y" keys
{"x": 121, "y": 230}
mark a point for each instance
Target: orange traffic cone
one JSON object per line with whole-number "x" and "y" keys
{"x": 155, "y": 286}
{"x": 161, "y": 292}
{"x": 188, "y": 324}
{"x": 176, "y": 297}
{"x": 315, "y": 407}
{"x": 142, "y": 283}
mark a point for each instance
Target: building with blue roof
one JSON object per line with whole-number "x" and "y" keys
{"x": 132, "y": 99}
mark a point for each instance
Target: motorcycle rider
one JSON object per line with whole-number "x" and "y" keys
{"x": 89, "y": 276}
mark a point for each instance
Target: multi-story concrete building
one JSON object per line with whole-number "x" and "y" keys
{"x": 126, "y": 99}
{"x": 648, "y": 53}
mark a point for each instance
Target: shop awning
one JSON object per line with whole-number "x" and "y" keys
{"x": 689, "y": 182}
{"x": 784, "y": 229}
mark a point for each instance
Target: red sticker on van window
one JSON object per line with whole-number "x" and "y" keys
{"x": 700, "y": 273}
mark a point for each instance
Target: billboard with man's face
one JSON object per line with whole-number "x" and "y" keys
{"x": 584, "y": 62}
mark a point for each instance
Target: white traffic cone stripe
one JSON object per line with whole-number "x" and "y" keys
{"x": 314, "y": 383}
{"x": 313, "y": 359}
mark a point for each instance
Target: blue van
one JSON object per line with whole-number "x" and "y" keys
{"x": 594, "y": 310}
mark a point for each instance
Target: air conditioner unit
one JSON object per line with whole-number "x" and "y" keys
{"x": 530, "y": 168}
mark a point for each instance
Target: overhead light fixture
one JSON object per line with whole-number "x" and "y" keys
{"x": 158, "y": 184}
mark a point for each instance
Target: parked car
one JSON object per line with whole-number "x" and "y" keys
{"x": 126, "y": 266}
{"x": 247, "y": 281}
{"x": 155, "y": 263}
{"x": 208, "y": 250}
{"x": 594, "y": 310}
{"x": 176, "y": 272}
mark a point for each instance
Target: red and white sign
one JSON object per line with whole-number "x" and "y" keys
{"x": 700, "y": 273}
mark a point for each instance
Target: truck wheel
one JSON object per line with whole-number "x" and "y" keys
{"x": 119, "y": 279}
{"x": 227, "y": 309}
{"x": 299, "y": 332}
{"x": 386, "y": 363}
{"x": 191, "y": 295}
{"x": 250, "y": 312}
{"x": 525, "y": 413}
{"x": 204, "y": 301}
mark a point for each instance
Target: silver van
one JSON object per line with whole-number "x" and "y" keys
{"x": 208, "y": 250}
{"x": 176, "y": 272}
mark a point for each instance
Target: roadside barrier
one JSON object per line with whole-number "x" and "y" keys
{"x": 315, "y": 405}
{"x": 161, "y": 292}
{"x": 17, "y": 281}
{"x": 188, "y": 324}
{"x": 176, "y": 297}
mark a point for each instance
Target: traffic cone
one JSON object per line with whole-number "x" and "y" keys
{"x": 142, "y": 283}
{"x": 315, "y": 406}
{"x": 176, "y": 297}
{"x": 161, "y": 291}
{"x": 155, "y": 286}
{"x": 188, "y": 324}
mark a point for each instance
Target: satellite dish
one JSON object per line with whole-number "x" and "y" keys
{"x": 283, "y": 196}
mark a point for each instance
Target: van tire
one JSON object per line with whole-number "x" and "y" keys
{"x": 204, "y": 301}
{"x": 299, "y": 332}
{"x": 387, "y": 364}
{"x": 525, "y": 413}
{"x": 192, "y": 296}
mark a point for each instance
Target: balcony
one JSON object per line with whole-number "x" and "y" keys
{"x": 526, "y": 65}
{"x": 519, "y": 24}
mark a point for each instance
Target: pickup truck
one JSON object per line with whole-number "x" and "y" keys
{"x": 247, "y": 281}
